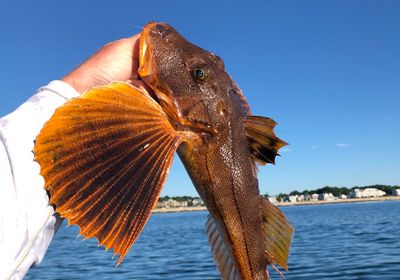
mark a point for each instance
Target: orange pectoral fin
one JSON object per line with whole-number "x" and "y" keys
{"x": 105, "y": 157}
{"x": 264, "y": 144}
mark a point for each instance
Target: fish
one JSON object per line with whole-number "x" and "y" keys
{"x": 105, "y": 156}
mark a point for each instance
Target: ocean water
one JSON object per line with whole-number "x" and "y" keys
{"x": 335, "y": 241}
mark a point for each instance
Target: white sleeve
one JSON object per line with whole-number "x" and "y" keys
{"x": 27, "y": 222}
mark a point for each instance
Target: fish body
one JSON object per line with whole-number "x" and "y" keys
{"x": 198, "y": 111}
{"x": 216, "y": 158}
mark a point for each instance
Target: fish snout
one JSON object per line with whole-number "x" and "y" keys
{"x": 161, "y": 30}
{"x": 155, "y": 36}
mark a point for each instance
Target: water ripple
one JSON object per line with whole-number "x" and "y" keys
{"x": 341, "y": 242}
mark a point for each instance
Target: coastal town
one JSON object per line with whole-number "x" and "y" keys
{"x": 354, "y": 193}
{"x": 319, "y": 196}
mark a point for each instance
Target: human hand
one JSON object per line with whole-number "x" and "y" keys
{"x": 116, "y": 61}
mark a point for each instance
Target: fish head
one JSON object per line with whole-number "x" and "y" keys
{"x": 191, "y": 84}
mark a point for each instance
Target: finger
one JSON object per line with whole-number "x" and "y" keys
{"x": 123, "y": 54}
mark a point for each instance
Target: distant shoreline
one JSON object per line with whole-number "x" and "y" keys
{"x": 317, "y": 202}
{"x": 348, "y": 200}
{"x": 179, "y": 209}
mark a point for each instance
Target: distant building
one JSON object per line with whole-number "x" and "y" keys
{"x": 159, "y": 204}
{"x": 326, "y": 196}
{"x": 297, "y": 198}
{"x": 171, "y": 203}
{"x": 314, "y": 197}
{"x": 197, "y": 202}
{"x": 272, "y": 199}
{"x": 396, "y": 192}
{"x": 343, "y": 196}
{"x": 368, "y": 192}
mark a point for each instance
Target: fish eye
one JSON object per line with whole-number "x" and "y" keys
{"x": 199, "y": 73}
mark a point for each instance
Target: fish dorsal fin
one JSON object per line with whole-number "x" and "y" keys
{"x": 222, "y": 253}
{"x": 278, "y": 235}
{"x": 105, "y": 157}
{"x": 264, "y": 144}
{"x": 244, "y": 106}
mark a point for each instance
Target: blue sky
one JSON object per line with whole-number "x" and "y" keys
{"x": 327, "y": 71}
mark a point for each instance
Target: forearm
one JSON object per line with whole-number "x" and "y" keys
{"x": 26, "y": 222}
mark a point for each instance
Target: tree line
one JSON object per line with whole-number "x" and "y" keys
{"x": 177, "y": 198}
{"x": 338, "y": 191}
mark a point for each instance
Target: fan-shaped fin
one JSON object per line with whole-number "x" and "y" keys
{"x": 222, "y": 253}
{"x": 105, "y": 157}
{"x": 264, "y": 144}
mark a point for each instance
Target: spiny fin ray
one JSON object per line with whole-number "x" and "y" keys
{"x": 278, "y": 235}
{"x": 264, "y": 144}
{"x": 223, "y": 256}
{"x": 115, "y": 124}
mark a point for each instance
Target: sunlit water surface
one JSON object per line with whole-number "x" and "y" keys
{"x": 336, "y": 241}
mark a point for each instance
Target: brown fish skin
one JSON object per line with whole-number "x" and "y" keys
{"x": 199, "y": 96}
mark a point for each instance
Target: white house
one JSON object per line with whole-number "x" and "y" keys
{"x": 326, "y": 196}
{"x": 301, "y": 198}
{"x": 197, "y": 202}
{"x": 368, "y": 192}
{"x": 343, "y": 196}
{"x": 272, "y": 199}
{"x": 396, "y": 192}
{"x": 170, "y": 203}
{"x": 314, "y": 197}
{"x": 293, "y": 198}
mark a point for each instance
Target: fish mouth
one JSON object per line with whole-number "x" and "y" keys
{"x": 153, "y": 34}
{"x": 145, "y": 61}
{"x": 148, "y": 73}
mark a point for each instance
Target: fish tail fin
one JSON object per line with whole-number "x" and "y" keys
{"x": 278, "y": 235}
{"x": 105, "y": 157}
